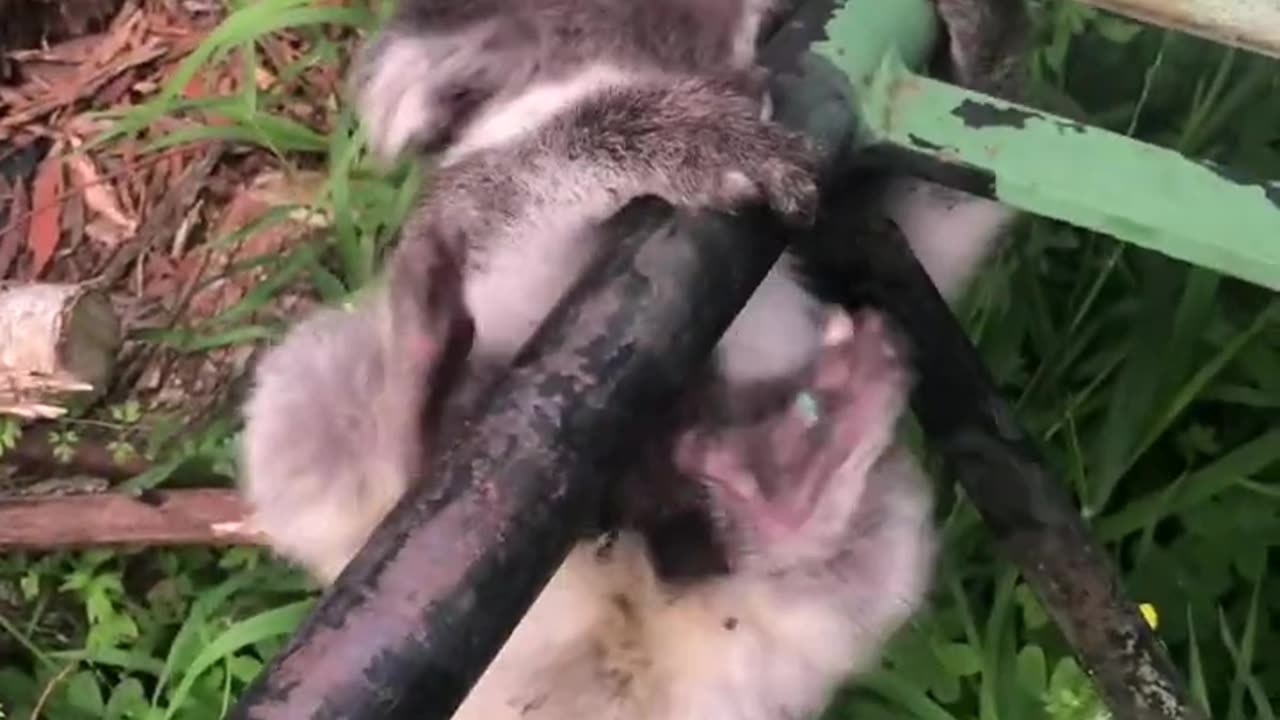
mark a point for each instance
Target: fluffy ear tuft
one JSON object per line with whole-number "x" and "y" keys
{"x": 420, "y": 89}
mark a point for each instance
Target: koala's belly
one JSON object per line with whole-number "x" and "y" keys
{"x": 521, "y": 278}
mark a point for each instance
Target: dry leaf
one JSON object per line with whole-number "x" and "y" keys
{"x": 46, "y": 204}
{"x": 105, "y": 233}
{"x": 71, "y": 52}
{"x": 101, "y": 198}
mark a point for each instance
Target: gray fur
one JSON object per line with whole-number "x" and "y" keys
{"x": 441, "y": 66}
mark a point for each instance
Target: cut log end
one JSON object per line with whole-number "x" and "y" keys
{"x": 58, "y": 345}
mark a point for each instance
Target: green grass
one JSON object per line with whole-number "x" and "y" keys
{"x": 1152, "y": 387}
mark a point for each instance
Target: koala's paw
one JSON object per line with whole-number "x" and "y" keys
{"x": 729, "y": 156}
{"x": 762, "y": 162}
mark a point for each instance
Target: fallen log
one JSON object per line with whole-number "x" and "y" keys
{"x": 205, "y": 516}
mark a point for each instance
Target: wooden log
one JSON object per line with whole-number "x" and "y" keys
{"x": 206, "y": 516}
{"x": 58, "y": 344}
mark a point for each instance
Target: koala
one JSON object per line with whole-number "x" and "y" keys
{"x": 548, "y": 116}
{"x": 614, "y": 100}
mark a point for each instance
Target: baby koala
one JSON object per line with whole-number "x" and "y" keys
{"x": 610, "y": 101}
{"x": 823, "y": 520}
{"x": 329, "y": 416}
{"x": 822, "y": 523}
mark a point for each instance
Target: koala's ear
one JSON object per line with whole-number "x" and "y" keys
{"x": 415, "y": 87}
{"x": 393, "y": 94}
{"x": 408, "y": 89}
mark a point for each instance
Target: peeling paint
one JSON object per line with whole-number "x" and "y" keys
{"x": 924, "y": 144}
{"x": 979, "y": 114}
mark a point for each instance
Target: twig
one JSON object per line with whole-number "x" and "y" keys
{"x": 34, "y": 454}
{"x": 47, "y": 692}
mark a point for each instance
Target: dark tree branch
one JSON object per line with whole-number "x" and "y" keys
{"x": 985, "y": 450}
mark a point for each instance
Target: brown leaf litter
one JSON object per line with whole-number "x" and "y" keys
{"x": 163, "y": 232}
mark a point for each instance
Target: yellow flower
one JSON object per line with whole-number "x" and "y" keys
{"x": 1149, "y": 613}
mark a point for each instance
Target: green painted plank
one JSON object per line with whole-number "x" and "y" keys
{"x": 1144, "y": 194}
{"x": 1140, "y": 193}
{"x": 862, "y": 33}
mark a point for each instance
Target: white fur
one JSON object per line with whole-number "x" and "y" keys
{"x": 748, "y": 33}
{"x": 775, "y": 334}
{"x": 606, "y": 640}
{"x": 318, "y": 485}
{"x": 524, "y": 277}
{"x": 535, "y": 107}
{"x": 394, "y": 102}
{"x": 950, "y": 232}
{"x": 521, "y": 278}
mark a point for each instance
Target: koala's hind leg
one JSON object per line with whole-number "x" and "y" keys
{"x": 697, "y": 143}
{"x": 987, "y": 43}
{"x": 334, "y": 425}
{"x": 789, "y": 482}
{"x": 952, "y": 232}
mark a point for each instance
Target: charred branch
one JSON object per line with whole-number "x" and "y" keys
{"x": 984, "y": 449}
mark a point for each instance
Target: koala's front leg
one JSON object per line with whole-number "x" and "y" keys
{"x": 334, "y": 425}
{"x": 952, "y": 232}
{"x": 696, "y": 143}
